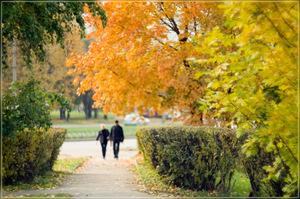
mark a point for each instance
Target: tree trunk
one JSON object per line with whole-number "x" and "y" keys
{"x": 96, "y": 113}
{"x": 62, "y": 114}
{"x": 86, "y": 111}
{"x": 90, "y": 112}
{"x": 14, "y": 61}
{"x": 105, "y": 117}
{"x": 87, "y": 103}
{"x": 68, "y": 117}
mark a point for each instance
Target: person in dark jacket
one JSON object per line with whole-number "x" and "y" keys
{"x": 103, "y": 136}
{"x": 117, "y": 136}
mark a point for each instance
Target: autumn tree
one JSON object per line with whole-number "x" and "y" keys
{"x": 256, "y": 81}
{"x": 142, "y": 57}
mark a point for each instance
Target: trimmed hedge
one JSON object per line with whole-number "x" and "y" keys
{"x": 195, "y": 157}
{"x": 29, "y": 153}
{"x": 254, "y": 167}
{"x": 191, "y": 157}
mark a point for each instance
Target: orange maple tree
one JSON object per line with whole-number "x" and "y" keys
{"x": 143, "y": 57}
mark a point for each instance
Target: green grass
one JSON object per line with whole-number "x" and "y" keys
{"x": 150, "y": 181}
{"x": 92, "y": 132}
{"x": 51, "y": 179}
{"x": 242, "y": 186}
{"x": 79, "y": 118}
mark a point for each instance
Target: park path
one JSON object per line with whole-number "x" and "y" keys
{"x": 99, "y": 178}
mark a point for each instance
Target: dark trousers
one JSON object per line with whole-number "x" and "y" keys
{"x": 103, "y": 145}
{"x": 116, "y": 145}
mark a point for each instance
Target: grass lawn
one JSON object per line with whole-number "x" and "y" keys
{"x": 51, "y": 179}
{"x": 92, "y": 132}
{"x": 150, "y": 181}
{"x": 79, "y": 118}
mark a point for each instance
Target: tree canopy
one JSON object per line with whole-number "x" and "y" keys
{"x": 35, "y": 24}
{"x": 255, "y": 80}
{"x": 140, "y": 59}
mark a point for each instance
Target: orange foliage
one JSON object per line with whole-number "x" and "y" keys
{"x": 142, "y": 57}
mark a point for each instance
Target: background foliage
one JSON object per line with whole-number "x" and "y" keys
{"x": 36, "y": 24}
{"x": 52, "y": 71}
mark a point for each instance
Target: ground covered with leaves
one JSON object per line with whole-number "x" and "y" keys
{"x": 59, "y": 195}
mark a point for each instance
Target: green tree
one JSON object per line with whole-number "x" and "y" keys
{"x": 36, "y": 24}
{"x": 28, "y": 106}
{"x": 52, "y": 71}
{"x": 256, "y": 80}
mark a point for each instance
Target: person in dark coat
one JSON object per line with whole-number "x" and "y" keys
{"x": 117, "y": 136}
{"x": 103, "y": 136}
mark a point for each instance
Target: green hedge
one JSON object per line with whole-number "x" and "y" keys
{"x": 254, "y": 168}
{"x": 205, "y": 158}
{"x": 29, "y": 153}
{"x": 191, "y": 157}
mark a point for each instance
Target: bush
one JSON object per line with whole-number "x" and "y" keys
{"x": 28, "y": 106}
{"x": 191, "y": 157}
{"x": 195, "y": 157}
{"x": 29, "y": 153}
{"x": 258, "y": 176}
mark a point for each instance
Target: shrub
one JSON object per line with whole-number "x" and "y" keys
{"x": 254, "y": 166}
{"x": 29, "y": 153}
{"x": 191, "y": 157}
{"x": 195, "y": 157}
{"x": 28, "y": 106}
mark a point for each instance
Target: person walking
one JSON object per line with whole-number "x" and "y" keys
{"x": 103, "y": 136}
{"x": 116, "y": 136}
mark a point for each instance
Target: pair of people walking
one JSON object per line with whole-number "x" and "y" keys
{"x": 116, "y": 136}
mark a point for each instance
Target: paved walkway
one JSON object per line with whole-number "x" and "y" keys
{"x": 100, "y": 178}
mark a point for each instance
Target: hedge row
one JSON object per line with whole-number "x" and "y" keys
{"x": 195, "y": 157}
{"x": 30, "y": 153}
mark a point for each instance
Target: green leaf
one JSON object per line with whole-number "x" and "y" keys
{"x": 239, "y": 132}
